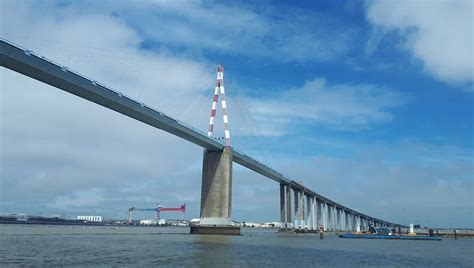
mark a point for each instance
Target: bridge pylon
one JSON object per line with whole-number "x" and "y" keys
{"x": 216, "y": 189}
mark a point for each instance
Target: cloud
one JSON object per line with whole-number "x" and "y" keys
{"x": 438, "y": 33}
{"x": 88, "y": 198}
{"x": 335, "y": 106}
{"x": 245, "y": 30}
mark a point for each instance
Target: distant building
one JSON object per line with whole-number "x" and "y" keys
{"x": 195, "y": 221}
{"x": 271, "y": 224}
{"x": 14, "y": 216}
{"x": 251, "y": 224}
{"x": 260, "y": 225}
{"x": 149, "y": 222}
{"x": 59, "y": 216}
{"x": 97, "y": 219}
{"x": 164, "y": 222}
{"x": 90, "y": 218}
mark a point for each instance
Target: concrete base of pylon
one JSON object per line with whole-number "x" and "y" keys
{"x": 215, "y": 230}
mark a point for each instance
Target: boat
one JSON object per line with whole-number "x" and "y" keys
{"x": 386, "y": 233}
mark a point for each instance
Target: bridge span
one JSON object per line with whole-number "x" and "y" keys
{"x": 300, "y": 207}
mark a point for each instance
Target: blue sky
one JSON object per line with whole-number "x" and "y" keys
{"x": 345, "y": 96}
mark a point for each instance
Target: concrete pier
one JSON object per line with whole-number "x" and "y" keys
{"x": 288, "y": 206}
{"x": 297, "y": 208}
{"x": 216, "y": 194}
{"x": 304, "y": 212}
{"x": 282, "y": 206}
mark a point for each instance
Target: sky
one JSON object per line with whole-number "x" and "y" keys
{"x": 369, "y": 103}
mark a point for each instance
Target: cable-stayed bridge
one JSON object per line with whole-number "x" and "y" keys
{"x": 300, "y": 207}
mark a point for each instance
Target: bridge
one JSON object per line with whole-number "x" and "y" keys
{"x": 300, "y": 207}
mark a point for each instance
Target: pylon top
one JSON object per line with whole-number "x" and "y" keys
{"x": 219, "y": 90}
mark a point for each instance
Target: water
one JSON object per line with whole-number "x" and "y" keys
{"x": 43, "y": 245}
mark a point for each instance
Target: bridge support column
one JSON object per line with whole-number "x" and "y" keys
{"x": 297, "y": 207}
{"x": 319, "y": 205}
{"x": 331, "y": 220}
{"x": 344, "y": 220}
{"x": 216, "y": 194}
{"x": 358, "y": 223}
{"x": 288, "y": 206}
{"x": 317, "y": 212}
{"x": 325, "y": 216}
{"x": 350, "y": 222}
{"x": 329, "y": 216}
{"x": 314, "y": 222}
{"x": 302, "y": 214}
{"x": 338, "y": 219}
{"x": 309, "y": 211}
{"x": 282, "y": 207}
{"x": 348, "y": 226}
{"x": 341, "y": 219}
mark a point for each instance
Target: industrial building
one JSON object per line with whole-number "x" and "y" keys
{"x": 97, "y": 219}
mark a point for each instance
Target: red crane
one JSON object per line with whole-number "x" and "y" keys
{"x": 181, "y": 209}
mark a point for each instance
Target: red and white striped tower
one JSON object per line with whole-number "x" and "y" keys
{"x": 220, "y": 90}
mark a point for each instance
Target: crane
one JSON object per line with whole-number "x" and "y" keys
{"x": 159, "y": 208}
{"x": 134, "y": 210}
{"x": 181, "y": 209}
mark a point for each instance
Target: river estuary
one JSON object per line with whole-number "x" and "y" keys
{"x": 45, "y": 245}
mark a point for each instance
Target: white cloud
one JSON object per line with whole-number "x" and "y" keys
{"x": 337, "y": 106}
{"x": 248, "y": 30}
{"x": 439, "y": 33}
{"x": 88, "y": 198}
